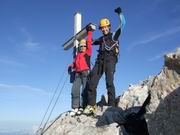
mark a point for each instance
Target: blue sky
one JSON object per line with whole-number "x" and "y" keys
{"x": 32, "y": 59}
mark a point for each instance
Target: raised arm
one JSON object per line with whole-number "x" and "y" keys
{"x": 89, "y": 43}
{"x": 122, "y": 23}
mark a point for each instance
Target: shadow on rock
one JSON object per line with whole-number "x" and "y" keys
{"x": 131, "y": 121}
{"x": 166, "y": 118}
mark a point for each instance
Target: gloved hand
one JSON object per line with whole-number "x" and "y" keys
{"x": 118, "y": 10}
{"x": 69, "y": 69}
{"x": 88, "y": 28}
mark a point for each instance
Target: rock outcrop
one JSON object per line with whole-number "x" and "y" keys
{"x": 162, "y": 116}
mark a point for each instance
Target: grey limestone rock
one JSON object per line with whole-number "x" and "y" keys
{"x": 162, "y": 113}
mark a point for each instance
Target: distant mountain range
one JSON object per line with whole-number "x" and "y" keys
{"x": 16, "y": 133}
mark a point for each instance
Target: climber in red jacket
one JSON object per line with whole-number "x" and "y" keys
{"x": 81, "y": 65}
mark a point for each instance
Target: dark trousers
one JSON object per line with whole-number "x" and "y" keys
{"x": 106, "y": 66}
{"x": 80, "y": 81}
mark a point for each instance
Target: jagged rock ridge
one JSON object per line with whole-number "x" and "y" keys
{"x": 163, "y": 111}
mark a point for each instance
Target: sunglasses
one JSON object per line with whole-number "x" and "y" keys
{"x": 83, "y": 46}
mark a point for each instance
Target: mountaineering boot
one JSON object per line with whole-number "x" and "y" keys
{"x": 89, "y": 110}
{"x": 79, "y": 112}
{"x": 73, "y": 112}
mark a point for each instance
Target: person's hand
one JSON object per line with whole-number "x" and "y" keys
{"x": 88, "y": 28}
{"x": 69, "y": 69}
{"x": 117, "y": 50}
{"x": 118, "y": 10}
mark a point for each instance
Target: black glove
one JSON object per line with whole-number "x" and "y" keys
{"x": 118, "y": 10}
{"x": 88, "y": 28}
{"x": 69, "y": 70}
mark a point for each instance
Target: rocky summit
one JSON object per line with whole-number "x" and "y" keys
{"x": 150, "y": 107}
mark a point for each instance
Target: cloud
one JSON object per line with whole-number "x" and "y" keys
{"x": 154, "y": 37}
{"x": 11, "y": 62}
{"x": 29, "y": 43}
{"x": 24, "y": 89}
{"x": 16, "y": 127}
{"x": 157, "y": 57}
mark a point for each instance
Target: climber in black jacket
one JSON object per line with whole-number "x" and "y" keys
{"x": 105, "y": 62}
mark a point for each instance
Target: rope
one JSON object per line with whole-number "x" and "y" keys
{"x": 60, "y": 80}
{"x": 54, "y": 104}
{"x": 54, "y": 121}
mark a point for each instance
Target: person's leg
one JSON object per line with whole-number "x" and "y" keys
{"x": 84, "y": 93}
{"x": 109, "y": 72}
{"x": 92, "y": 83}
{"x": 76, "y": 91}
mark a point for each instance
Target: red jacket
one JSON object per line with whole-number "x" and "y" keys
{"x": 82, "y": 59}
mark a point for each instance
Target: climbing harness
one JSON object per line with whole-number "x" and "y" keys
{"x": 109, "y": 48}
